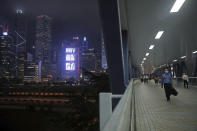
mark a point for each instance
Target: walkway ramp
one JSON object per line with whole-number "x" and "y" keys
{"x": 154, "y": 113}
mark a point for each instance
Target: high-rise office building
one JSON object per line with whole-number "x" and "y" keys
{"x": 20, "y": 42}
{"x": 7, "y": 55}
{"x": 89, "y": 60}
{"x": 43, "y": 43}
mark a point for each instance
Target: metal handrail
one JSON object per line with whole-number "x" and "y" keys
{"x": 188, "y": 77}
{"x": 123, "y": 117}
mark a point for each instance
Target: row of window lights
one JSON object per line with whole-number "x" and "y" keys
{"x": 176, "y": 7}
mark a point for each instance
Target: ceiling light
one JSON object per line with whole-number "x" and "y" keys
{"x": 194, "y": 52}
{"x": 147, "y": 54}
{"x": 177, "y": 5}
{"x": 159, "y": 34}
{"x": 183, "y": 57}
{"x": 151, "y": 47}
{"x": 174, "y": 60}
{"x": 144, "y": 59}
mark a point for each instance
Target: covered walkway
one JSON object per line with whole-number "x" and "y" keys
{"x": 154, "y": 113}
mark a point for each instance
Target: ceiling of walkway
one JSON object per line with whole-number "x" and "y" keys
{"x": 144, "y": 18}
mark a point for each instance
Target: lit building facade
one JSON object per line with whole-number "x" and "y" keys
{"x": 32, "y": 72}
{"x": 70, "y": 60}
{"x": 43, "y": 44}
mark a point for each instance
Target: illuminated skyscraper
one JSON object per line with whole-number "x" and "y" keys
{"x": 43, "y": 43}
{"x": 87, "y": 56}
{"x": 20, "y": 42}
{"x": 7, "y": 56}
{"x": 69, "y": 60}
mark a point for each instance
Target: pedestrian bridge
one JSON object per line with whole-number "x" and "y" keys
{"x": 144, "y": 107}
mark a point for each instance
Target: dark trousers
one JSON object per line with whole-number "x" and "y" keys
{"x": 167, "y": 88}
{"x": 185, "y": 84}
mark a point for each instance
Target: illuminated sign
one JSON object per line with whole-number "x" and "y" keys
{"x": 70, "y": 54}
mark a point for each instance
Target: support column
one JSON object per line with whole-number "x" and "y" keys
{"x": 112, "y": 38}
{"x": 125, "y": 53}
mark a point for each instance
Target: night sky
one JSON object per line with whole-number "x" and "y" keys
{"x": 70, "y": 17}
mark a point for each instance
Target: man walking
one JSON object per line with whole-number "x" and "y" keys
{"x": 166, "y": 81}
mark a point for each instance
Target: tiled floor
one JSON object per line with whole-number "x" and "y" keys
{"x": 154, "y": 113}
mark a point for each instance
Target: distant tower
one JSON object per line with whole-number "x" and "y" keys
{"x": 104, "y": 59}
{"x": 43, "y": 43}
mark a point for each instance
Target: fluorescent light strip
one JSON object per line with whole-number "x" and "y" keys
{"x": 177, "y": 5}
{"x": 151, "y": 47}
{"x": 147, "y": 54}
{"x": 194, "y": 52}
{"x": 183, "y": 57}
{"x": 159, "y": 34}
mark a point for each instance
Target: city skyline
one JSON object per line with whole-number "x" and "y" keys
{"x": 38, "y": 44}
{"x": 42, "y": 41}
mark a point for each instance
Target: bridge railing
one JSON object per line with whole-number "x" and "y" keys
{"x": 123, "y": 116}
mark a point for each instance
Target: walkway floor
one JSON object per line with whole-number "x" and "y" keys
{"x": 154, "y": 113}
